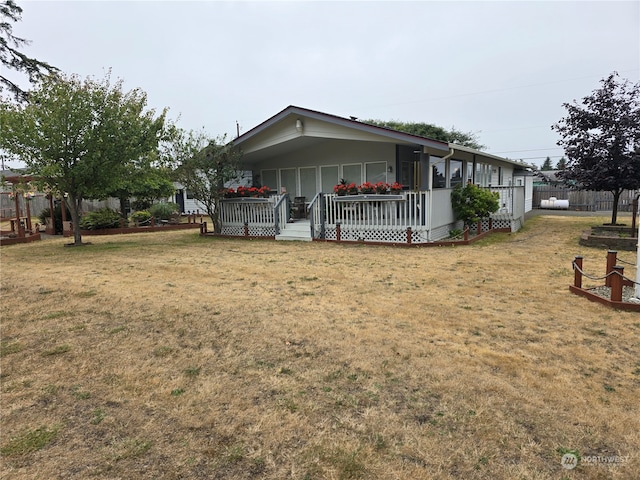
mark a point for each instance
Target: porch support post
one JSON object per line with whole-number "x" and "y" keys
{"x": 425, "y": 173}
{"x": 577, "y": 272}
{"x": 611, "y": 262}
{"x": 616, "y": 283}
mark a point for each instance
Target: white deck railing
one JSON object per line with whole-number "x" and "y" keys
{"x": 248, "y": 210}
{"x": 376, "y": 212}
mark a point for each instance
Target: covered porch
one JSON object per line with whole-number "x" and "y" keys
{"x": 410, "y": 217}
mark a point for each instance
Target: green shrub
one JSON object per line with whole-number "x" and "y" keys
{"x": 163, "y": 210}
{"x": 472, "y": 203}
{"x": 100, "y": 219}
{"x": 141, "y": 217}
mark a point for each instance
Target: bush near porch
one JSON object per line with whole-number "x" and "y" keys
{"x": 177, "y": 356}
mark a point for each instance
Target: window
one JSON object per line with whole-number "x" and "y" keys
{"x": 455, "y": 173}
{"x": 308, "y": 182}
{"x": 288, "y": 181}
{"x": 329, "y": 177}
{"x": 438, "y": 172}
{"x": 469, "y": 172}
{"x": 352, "y": 173}
{"x": 270, "y": 179}
{"x": 189, "y": 195}
{"x": 375, "y": 172}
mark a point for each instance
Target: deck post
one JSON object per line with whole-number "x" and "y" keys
{"x": 338, "y": 232}
{"x": 611, "y": 262}
{"x": 246, "y": 229}
{"x": 408, "y": 235}
{"x": 616, "y": 283}
{"x": 577, "y": 272}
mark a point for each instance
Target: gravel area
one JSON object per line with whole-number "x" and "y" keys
{"x": 605, "y": 292}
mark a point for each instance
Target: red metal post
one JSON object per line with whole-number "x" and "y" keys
{"x": 616, "y": 283}
{"x": 611, "y": 262}
{"x": 577, "y": 272}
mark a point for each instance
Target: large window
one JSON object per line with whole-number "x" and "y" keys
{"x": 308, "y": 182}
{"x": 270, "y": 179}
{"x": 329, "y": 177}
{"x": 469, "y": 172}
{"x": 455, "y": 173}
{"x": 438, "y": 172}
{"x": 288, "y": 181}
{"x": 375, "y": 172}
{"x": 352, "y": 173}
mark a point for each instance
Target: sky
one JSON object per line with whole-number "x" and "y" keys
{"x": 501, "y": 70}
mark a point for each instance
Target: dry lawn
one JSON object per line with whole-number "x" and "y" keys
{"x": 170, "y": 356}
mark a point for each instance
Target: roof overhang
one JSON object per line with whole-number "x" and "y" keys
{"x": 296, "y": 128}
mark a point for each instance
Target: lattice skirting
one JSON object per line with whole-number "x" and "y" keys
{"x": 254, "y": 230}
{"x": 237, "y": 231}
{"x": 379, "y": 236}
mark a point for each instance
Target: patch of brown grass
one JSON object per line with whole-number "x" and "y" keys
{"x": 171, "y": 356}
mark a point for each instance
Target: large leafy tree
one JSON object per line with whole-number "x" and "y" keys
{"x": 432, "y": 131}
{"x": 203, "y": 166}
{"x": 79, "y": 137}
{"x": 145, "y": 182}
{"x": 10, "y": 55}
{"x": 601, "y": 139}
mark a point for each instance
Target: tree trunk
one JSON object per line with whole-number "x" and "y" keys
{"x": 614, "y": 213}
{"x": 123, "y": 207}
{"x": 74, "y": 208}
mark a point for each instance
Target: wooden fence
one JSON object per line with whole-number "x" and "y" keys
{"x": 587, "y": 200}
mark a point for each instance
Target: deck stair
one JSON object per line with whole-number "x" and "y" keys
{"x": 299, "y": 230}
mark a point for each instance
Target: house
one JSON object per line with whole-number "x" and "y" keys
{"x": 302, "y": 153}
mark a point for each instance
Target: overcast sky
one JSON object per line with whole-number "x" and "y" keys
{"x": 501, "y": 70}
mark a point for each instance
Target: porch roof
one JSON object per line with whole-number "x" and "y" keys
{"x": 296, "y": 135}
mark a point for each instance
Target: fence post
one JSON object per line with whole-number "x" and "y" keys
{"x": 616, "y": 283}
{"x": 577, "y": 272}
{"x": 611, "y": 262}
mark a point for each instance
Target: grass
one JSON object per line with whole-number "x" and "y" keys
{"x": 172, "y": 356}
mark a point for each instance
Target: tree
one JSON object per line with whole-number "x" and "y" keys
{"x": 546, "y": 165}
{"x": 472, "y": 203}
{"x": 10, "y": 55}
{"x": 80, "y": 137}
{"x": 204, "y": 165}
{"x": 146, "y": 182}
{"x": 432, "y": 131}
{"x": 562, "y": 164}
{"x": 601, "y": 139}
